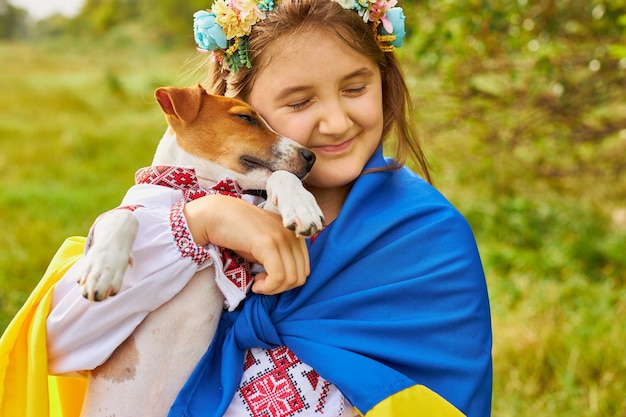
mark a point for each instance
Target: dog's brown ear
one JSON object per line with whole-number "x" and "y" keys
{"x": 182, "y": 103}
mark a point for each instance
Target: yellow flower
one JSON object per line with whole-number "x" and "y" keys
{"x": 236, "y": 17}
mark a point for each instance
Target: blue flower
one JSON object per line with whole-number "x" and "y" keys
{"x": 208, "y": 34}
{"x": 396, "y": 16}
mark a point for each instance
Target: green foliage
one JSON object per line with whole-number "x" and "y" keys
{"x": 102, "y": 15}
{"x": 557, "y": 66}
{"x": 145, "y": 22}
{"x": 12, "y": 21}
{"x": 522, "y": 110}
{"x": 162, "y": 22}
{"x": 555, "y": 239}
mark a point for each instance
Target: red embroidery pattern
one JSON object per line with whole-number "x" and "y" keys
{"x": 250, "y": 360}
{"x": 282, "y": 385}
{"x": 314, "y": 379}
{"x": 184, "y": 242}
{"x": 131, "y": 208}
{"x": 184, "y": 179}
{"x": 324, "y": 395}
{"x": 236, "y": 268}
{"x": 179, "y": 178}
{"x": 274, "y": 394}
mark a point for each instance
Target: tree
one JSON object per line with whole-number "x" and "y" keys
{"x": 13, "y": 21}
{"x": 556, "y": 66}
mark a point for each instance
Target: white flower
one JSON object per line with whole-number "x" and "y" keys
{"x": 346, "y": 4}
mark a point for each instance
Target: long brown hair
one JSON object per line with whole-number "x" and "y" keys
{"x": 301, "y": 16}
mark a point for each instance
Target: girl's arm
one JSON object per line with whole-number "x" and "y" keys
{"x": 255, "y": 234}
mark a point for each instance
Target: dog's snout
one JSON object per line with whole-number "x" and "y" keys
{"x": 308, "y": 156}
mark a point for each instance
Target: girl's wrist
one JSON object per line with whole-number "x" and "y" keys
{"x": 202, "y": 215}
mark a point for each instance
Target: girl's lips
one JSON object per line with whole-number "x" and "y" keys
{"x": 334, "y": 148}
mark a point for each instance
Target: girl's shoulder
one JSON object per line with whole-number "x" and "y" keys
{"x": 400, "y": 186}
{"x": 408, "y": 188}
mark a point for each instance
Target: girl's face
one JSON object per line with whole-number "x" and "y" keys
{"x": 327, "y": 97}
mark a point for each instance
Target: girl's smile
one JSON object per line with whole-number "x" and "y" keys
{"x": 332, "y": 149}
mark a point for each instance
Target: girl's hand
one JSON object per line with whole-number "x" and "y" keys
{"x": 255, "y": 234}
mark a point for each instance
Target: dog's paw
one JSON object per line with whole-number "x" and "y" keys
{"x": 304, "y": 219}
{"x": 103, "y": 267}
{"x": 296, "y": 205}
{"x": 102, "y": 272}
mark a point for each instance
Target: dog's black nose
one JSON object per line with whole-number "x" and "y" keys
{"x": 308, "y": 156}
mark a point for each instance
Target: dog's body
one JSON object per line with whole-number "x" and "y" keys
{"x": 219, "y": 137}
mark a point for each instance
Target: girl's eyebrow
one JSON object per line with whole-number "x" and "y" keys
{"x": 361, "y": 72}
{"x": 286, "y": 92}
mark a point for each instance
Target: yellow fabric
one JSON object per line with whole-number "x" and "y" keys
{"x": 26, "y": 390}
{"x": 414, "y": 401}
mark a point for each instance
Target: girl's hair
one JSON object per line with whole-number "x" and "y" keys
{"x": 302, "y": 16}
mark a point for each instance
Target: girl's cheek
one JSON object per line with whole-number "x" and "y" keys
{"x": 297, "y": 130}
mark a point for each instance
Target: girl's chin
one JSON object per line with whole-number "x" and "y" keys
{"x": 331, "y": 179}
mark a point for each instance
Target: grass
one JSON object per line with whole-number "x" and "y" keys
{"x": 77, "y": 122}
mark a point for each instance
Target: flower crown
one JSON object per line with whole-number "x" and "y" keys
{"x": 224, "y": 29}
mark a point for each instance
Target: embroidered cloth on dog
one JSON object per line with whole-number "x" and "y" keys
{"x": 408, "y": 338}
{"x": 185, "y": 179}
{"x": 237, "y": 270}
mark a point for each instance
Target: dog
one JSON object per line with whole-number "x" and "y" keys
{"x": 218, "y": 137}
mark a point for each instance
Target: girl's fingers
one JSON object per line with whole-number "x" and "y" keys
{"x": 286, "y": 267}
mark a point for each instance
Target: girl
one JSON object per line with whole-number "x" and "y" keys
{"x": 394, "y": 317}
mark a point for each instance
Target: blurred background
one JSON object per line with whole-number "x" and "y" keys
{"x": 522, "y": 111}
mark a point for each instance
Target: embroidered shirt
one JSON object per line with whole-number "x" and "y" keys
{"x": 274, "y": 383}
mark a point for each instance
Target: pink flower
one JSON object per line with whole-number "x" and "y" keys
{"x": 378, "y": 12}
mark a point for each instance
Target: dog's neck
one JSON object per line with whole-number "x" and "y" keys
{"x": 169, "y": 152}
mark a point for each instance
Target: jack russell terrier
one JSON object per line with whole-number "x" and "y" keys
{"x": 219, "y": 137}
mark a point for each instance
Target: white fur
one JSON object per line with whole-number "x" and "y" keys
{"x": 109, "y": 255}
{"x": 147, "y": 371}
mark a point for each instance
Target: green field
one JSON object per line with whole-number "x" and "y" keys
{"x": 77, "y": 122}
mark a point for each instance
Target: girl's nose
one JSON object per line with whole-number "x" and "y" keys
{"x": 334, "y": 120}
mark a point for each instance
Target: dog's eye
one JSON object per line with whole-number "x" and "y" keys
{"x": 248, "y": 119}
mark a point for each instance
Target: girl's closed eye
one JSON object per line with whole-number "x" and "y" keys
{"x": 356, "y": 90}
{"x": 299, "y": 105}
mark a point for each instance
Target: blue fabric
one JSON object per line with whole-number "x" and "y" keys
{"x": 396, "y": 297}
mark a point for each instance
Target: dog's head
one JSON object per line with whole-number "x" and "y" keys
{"x": 226, "y": 136}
